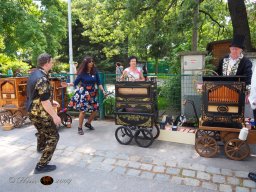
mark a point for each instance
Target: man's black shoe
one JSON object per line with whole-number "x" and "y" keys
{"x": 252, "y": 176}
{"x": 46, "y": 168}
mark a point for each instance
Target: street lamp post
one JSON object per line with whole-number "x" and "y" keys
{"x": 71, "y": 70}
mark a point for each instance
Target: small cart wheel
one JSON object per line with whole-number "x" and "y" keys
{"x": 206, "y": 146}
{"x": 236, "y": 149}
{"x": 123, "y": 135}
{"x": 155, "y": 130}
{"x": 6, "y": 117}
{"x": 143, "y": 137}
{"x": 200, "y": 133}
{"x": 17, "y": 119}
{"x": 65, "y": 118}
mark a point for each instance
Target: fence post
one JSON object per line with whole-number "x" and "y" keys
{"x": 101, "y": 96}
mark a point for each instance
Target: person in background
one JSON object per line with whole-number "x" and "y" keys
{"x": 132, "y": 73}
{"x": 40, "y": 110}
{"x": 85, "y": 97}
{"x": 252, "y": 100}
{"x": 145, "y": 72}
{"x": 119, "y": 70}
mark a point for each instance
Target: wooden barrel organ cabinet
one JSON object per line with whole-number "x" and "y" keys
{"x": 136, "y": 110}
{"x": 13, "y": 98}
{"x": 223, "y": 118}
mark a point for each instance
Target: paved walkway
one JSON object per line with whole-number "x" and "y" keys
{"x": 96, "y": 162}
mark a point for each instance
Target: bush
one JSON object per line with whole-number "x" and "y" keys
{"x": 14, "y": 64}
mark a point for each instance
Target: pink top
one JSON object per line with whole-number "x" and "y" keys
{"x": 133, "y": 75}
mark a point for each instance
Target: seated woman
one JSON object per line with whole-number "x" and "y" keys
{"x": 132, "y": 73}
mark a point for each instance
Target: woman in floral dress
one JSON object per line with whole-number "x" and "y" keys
{"x": 85, "y": 97}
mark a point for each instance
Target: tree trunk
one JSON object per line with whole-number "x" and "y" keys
{"x": 239, "y": 20}
{"x": 195, "y": 27}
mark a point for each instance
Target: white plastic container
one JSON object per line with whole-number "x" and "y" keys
{"x": 243, "y": 134}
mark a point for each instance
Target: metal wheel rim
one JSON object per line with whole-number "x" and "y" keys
{"x": 143, "y": 137}
{"x": 123, "y": 135}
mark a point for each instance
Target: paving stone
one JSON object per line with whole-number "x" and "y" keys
{"x": 227, "y": 172}
{"x": 146, "y": 159}
{"x": 158, "y": 169}
{"x": 176, "y": 180}
{"x": 173, "y": 171}
{"x": 133, "y": 172}
{"x": 158, "y": 162}
{"x": 70, "y": 148}
{"x": 100, "y": 153}
{"x": 191, "y": 182}
{"x": 233, "y": 180}
{"x": 203, "y": 175}
{"x": 122, "y": 163}
{"x": 96, "y": 159}
{"x": 241, "y": 174}
{"x": 67, "y": 153}
{"x": 242, "y": 189}
{"x": 188, "y": 173}
{"x": 253, "y": 190}
{"x": 208, "y": 185}
{"x": 61, "y": 147}
{"x": 162, "y": 177}
{"x": 146, "y": 167}
{"x": 134, "y": 158}
{"x": 147, "y": 175}
{"x": 107, "y": 167}
{"x": 123, "y": 156}
{"x": 119, "y": 170}
{"x": 58, "y": 152}
{"x": 218, "y": 179}
{"x": 135, "y": 165}
{"x": 111, "y": 154}
{"x": 249, "y": 183}
{"x": 226, "y": 188}
{"x": 171, "y": 164}
{"x": 198, "y": 167}
{"x": 95, "y": 166}
{"x": 185, "y": 165}
{"x": 109, "y": 161}
{"x": 213, "y": 170}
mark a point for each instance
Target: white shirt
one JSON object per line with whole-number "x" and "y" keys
{"x": 252, "y": 97}
{"x": 231, "y": 64}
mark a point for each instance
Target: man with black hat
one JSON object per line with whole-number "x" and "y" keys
{"x": 235, "y": 63}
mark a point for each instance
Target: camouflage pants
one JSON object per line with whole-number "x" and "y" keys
{"x": 47, "y": 137}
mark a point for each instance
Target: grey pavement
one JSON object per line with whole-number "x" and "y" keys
{"x": 95, "y": 161}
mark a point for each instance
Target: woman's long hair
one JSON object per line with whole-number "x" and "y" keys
{"x": 84, "y": 67}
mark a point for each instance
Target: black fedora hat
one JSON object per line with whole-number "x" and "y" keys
{"x": 238, "y": 41}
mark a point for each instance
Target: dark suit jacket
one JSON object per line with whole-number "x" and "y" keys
{"x": 244, "y": 69}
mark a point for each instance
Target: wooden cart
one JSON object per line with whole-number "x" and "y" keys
{"x": 13, "y": 97}
{"x": 223, "y": 118}
{"x": 136, "y": 111}
{"x": 12, "y": 100}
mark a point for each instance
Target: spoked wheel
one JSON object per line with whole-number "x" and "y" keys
{"x": 17, "y": 119}
{"x": 143, "y": 137}
{"x": 123, "y": 135}
{"x": 6, "y": 117}
{"x": 236, "y": 149}
{"x": 214, "y": 134}
{"x": 155, "y": 130}
{"x": 206, "y": 146}
{"x": 65, "y": 118}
